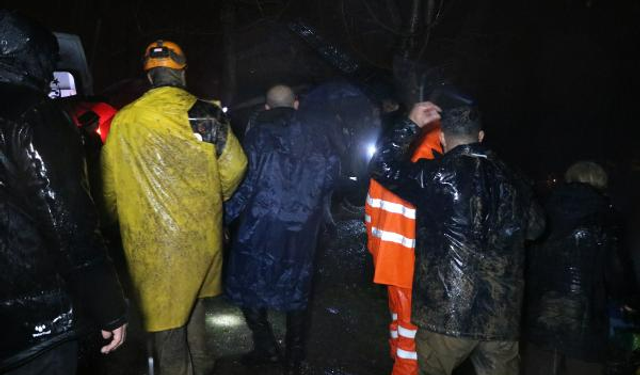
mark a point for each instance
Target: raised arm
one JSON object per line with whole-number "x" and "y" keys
{"x": 392, "y": 167}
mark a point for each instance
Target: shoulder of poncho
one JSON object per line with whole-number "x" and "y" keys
{"x": 163, "y": 98}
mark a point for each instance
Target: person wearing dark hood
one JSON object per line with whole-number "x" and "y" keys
{"x": 292, "y": 169}
{"x": 473, "y": 215}
{"x": 56, "y": 276}
{"x": 568, "y": 278}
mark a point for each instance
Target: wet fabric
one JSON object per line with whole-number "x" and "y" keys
{"x": 440, "y": 355}
{"x": 473, "y": 215}
{"x": 567, "y": 277}
{"x": 292, "y": 169}
{"x": 402, "y": 332}
{"x": 56, "y": 276}
{"x": 391, "y": 224}
{"x": 166, "y": 186}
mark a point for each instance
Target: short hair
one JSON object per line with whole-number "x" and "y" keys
{"x": 587, "y": 172}
{"x": 280, "y": 96}
{"x": 461, "y": 122}
{"x": 163, "y": 76}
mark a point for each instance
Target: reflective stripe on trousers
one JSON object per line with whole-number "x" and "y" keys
{"x": 402, "y": 332}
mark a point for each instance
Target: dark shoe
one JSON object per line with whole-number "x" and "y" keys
{"x": 265, "y": 347}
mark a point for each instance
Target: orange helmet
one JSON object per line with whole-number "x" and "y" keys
{"x": 164, "y": 53}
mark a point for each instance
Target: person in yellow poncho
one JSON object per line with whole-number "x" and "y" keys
{"x": 169, "y": 162}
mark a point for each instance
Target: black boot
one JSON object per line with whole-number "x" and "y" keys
{"x": 265, "y": 347}
{"x": 295, "y": 341}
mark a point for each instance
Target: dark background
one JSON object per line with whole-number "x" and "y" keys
{"x": 557, "y": 80}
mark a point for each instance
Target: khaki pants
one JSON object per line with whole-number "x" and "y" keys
{"x": 183, "y": 351}
{"x": 440, "y": 354}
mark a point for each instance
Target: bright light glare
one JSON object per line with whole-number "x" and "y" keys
{"x": 353, "y": 178}
{"x": 224, "y": 320}
{"x": 225, "y": 109}
{"x": 371, "y": 150}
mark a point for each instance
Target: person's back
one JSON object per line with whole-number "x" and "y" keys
{"x": 475, "y": 241}
{"x": 292, "y": 173}
{"x": 567, "y": 278}
{"x": 55, "y": 269}
{"x": 168, "y": 164}
{"x": 292, "y": 169}
{"x": 473, "y": 216}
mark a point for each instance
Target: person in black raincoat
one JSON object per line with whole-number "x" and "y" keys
{"x": 55, "y": 268}
{"x": 473, "y": 215}
{"x": 292, "y": 168}
{"x": 568, "y": 278}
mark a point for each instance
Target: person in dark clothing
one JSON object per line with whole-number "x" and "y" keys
{"x": 292, "y": 169}
{"x": 57, "y": 280}
{"x": 473, "y": 216}
{"x": 89, "y": 123}
{"x": 567, "y": 279}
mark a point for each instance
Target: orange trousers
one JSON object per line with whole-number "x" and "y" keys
{"x": 402, "y": 332}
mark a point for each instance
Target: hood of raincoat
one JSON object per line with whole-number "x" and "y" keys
{"x": 28, "y": 52}
{"x": 473, "y": 216}
{"x": 568, "y": 272}
{"x": 573, "y": 205}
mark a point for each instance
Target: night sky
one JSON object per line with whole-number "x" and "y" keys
{"x": 557, "y": 81}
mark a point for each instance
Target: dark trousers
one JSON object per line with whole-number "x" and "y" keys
{"x": 61, "y": 360}
{"x": 264, "y": 340}
{"x": 538, "y": 361}
{"x": 183, "y": 351}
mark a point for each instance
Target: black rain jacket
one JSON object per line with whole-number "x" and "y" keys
{"x": 54, "y": 269}
{"x": 569, "y": 273}
{"x": 473, "y": 216}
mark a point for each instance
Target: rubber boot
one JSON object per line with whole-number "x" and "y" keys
{"x": 295, "y": 341}
{"x": 265, "y": 347}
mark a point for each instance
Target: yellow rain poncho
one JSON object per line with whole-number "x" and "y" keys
{"x": 166, "y": 188}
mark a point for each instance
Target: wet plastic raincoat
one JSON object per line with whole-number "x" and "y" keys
{"x": 473, "y": 215}
{"x": 166, "y": 186}
{"x": 54, "y": 268}
{"x": 292, "y": 168}
{"x": 568, "y": 275}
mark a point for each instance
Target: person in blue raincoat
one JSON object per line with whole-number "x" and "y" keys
{"x": 292, "y": 169}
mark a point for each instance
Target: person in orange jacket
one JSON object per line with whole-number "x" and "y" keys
{"x": 391, "y": 224}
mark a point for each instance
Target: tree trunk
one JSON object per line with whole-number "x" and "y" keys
{"x": 413, "y": 25}
{"x": 229, "y": 80}
{"x": 394, "y": 14}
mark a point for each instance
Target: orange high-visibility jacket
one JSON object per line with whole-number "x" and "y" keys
{"x": 391, "y": 225}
